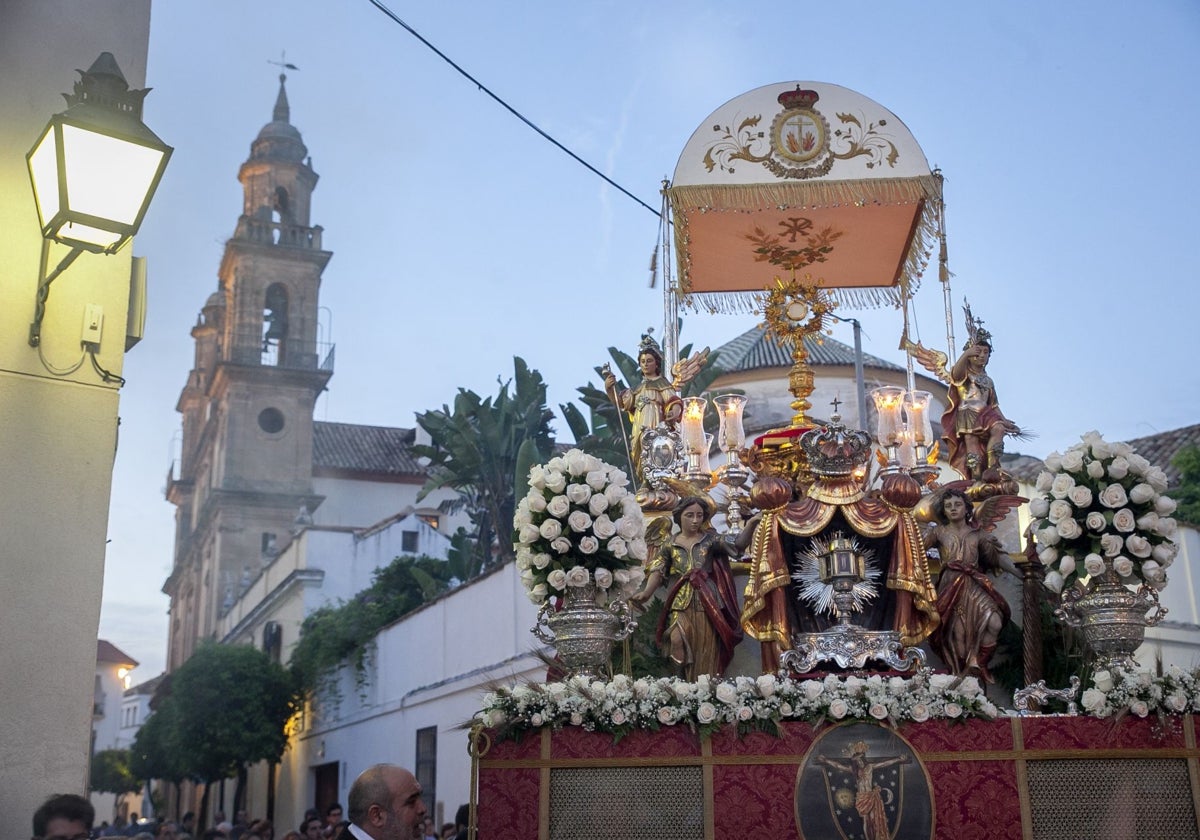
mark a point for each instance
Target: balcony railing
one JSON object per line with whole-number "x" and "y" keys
{"x": 268, "y": 232}
{"x": 291, "y": 354}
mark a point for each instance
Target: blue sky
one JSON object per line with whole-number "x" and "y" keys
{"x": 1067, "y": 133}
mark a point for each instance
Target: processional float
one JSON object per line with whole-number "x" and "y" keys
{"x": 793, "y": 200}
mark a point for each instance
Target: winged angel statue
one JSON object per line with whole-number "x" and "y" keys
{"x": 655, "y": 400}
{"x": 973, "y": 425}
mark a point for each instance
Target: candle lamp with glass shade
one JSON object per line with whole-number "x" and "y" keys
{"x": 731, "y": 438}
{"x": 889, "y": 423}
{"x": 916, "y": 407}
{"x": 695, "y": 442}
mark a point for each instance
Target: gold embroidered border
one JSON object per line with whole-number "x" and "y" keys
{"x": 710, "y": 820}
{"x": 544, "y": 788}
{"x": 1190, "y": 751}
{"x": 1189, "y": 739}
{"x": 1022, "y": 768}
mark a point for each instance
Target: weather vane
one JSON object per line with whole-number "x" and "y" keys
{"x": 283, "y": 63}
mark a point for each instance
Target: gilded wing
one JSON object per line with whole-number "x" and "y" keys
{"x": 658, "y": 532}
{"x": 685, "y": 370}
{"x": 993, "y": 509}
{"x": 683, "y": 489}
{"x": 933, "y": 361}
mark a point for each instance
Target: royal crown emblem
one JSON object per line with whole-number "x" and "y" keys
{"x": 798, "y": 98}
{"x": 834, "y": 451}
{"x": 799, "y": 133}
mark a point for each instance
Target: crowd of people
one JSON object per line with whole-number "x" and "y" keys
{"x": 384, "y": 804}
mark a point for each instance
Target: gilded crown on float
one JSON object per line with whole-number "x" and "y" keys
{"x": 649, "y": 345}
{"x": 834, "y": 451}
{"x": 798, "y": 98}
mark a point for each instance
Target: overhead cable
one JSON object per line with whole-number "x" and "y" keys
{"x": 392, "y": 15}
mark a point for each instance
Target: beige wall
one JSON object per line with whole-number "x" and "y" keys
{"x": 59, "y": 437}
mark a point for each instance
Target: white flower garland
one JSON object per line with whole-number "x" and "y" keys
{"x": 623, "y": 704}
{"x": 1139, "y": 693}
{"x": 1104, "y": 512}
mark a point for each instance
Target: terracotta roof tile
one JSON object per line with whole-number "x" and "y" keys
{"x": 1161, "y": 449}
{"x": 379, "y": 450}
{"x": 106, "y": 651}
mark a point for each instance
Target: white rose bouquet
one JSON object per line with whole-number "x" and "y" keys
{"x": 1104, "y": 513}
{"x": 578, "y": 526}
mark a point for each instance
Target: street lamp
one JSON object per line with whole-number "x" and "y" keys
{"x": 94, "y": 170}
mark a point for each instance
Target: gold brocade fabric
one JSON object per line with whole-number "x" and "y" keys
{"x": 764, "y": 612}
{"x": 701, "y": 602}
{"x": 764, "y": 615}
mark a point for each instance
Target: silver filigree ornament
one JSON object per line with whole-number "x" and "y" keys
{"x": 821, "y": 592}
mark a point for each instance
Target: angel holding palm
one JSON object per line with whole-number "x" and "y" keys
{"x": 971, "y": 610}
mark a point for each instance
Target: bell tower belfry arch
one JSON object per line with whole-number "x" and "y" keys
{"x": 245, "y": 470}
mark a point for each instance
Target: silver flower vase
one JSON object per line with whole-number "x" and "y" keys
{"x": 1113, "y": 619}
{"x": 582, "y": 631}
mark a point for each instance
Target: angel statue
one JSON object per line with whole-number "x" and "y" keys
{"x": 972, "y": 612}
{"x": 699, "y": 627}
{"x": 655, "y": 400}
{"x": 973, "y": 425}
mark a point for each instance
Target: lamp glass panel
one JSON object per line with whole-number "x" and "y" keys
{"x": 106, "y": 176}
{"x": 843, "y": 562}
{"x": 43, "y": 168}
{"x": 705, "y": 465}
{"x": 76, "y": 232}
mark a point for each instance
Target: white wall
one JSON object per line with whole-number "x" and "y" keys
{"x": 430, "y": 669}
{"x": 1176, "y": 640}
{"x": 59, "y": 431}
{"x": 360, "y": 504}
{"x": 106, "y": 727}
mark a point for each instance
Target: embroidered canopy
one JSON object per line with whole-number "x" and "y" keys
{"x": 802, "y": 177}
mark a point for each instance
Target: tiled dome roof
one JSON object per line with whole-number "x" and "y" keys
{"x": 755, "y": 349}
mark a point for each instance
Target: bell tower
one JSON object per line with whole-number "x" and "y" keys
{"x": 245, "y": 469}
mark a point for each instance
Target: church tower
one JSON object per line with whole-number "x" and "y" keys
{"x": 246, "y": 467}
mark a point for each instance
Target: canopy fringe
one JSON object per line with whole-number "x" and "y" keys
{"x": 742, "y": 198}
{"x": 742, "y": 303}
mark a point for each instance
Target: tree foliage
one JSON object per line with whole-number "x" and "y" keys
{"x": 154, "y": 753}
{"x": 476, "y": 449}
{"x": 334, "y": 635}
{"x": 228, "y": 706}
{"x": 1187, "y": 493}
{"x": 111, "y": 774}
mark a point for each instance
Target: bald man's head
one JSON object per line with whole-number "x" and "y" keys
{"x": 385, "y": 802}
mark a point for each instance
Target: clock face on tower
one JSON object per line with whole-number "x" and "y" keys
{"x": 270, "y": 420}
